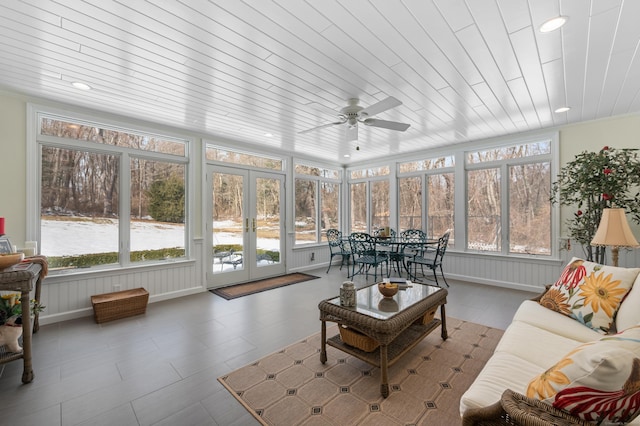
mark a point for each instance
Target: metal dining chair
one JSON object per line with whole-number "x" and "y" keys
{"x": 365, "y": 255}
{"x": 411, "y": 241}
{"x": 430, "y": 259}
{"x": 338, "y": 247}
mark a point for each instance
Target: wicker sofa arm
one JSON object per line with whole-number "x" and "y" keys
{"x": 492, "y": 415}
{"x": 516, "y": 409}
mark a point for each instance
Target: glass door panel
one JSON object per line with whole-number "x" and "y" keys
{"x": 247, "y": 234}
{"x": 267, "y": 225}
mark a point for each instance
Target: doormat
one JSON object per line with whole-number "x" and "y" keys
{"x": 292, "y": 386}
{"x": 251, "y": 287}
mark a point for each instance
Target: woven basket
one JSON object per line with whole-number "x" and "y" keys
{"x": 120, "y": 304}
{"x": 358, "y": 340}
{"x": 428, "y": 317}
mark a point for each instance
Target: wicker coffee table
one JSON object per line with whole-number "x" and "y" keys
{"x": 380, "y": 330}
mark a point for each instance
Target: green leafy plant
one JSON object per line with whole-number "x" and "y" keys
{"x": 10, "y": 305}
{"x": 592, "y": 182}
{"x": 167, "y": 200}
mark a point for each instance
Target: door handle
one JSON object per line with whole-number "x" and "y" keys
{"x": 246, "y": 224}
{"x": 254, "y": 224}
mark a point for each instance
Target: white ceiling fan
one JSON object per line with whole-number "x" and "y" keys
{"x": 353, "y": 114}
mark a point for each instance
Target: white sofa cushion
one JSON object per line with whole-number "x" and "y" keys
{"x": 533, "y": 313}
{"x": 535, "y": 345}
{"x": 629, "y": 312}
{"x": 502, "y": 371}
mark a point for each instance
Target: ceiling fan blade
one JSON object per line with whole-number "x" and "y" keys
{"x": 381, "y": 106}
{"x": 392, "y": 125}
{"x": 322, "y": 127}
{"x": 352, "y": 133}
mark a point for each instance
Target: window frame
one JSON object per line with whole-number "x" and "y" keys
{"x": 318, "y": 180}
{"x": 387, "y": 174}
{"x": 35, "y": 142}
{"x": 424, "y": 174}
{"x": 503, "y": 167}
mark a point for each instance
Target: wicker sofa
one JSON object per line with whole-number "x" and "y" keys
{"x": 537, "y": 340}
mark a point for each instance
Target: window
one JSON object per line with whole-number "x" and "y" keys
{"x": 79, "y": 207}
{"x": 223, "y": 155}
{"x": 436, "y": 176}
{"x": 508, "y": 199}
{"x": 369, "y": 197}
{"x": 440, "y": 205}
{"x": 109, "y": 196}
{"x": 379, "y": 204}
{"x": 410, "y": 202}
{"x": 484, "y": 210}
{"x": 358, "y": 197}
{"x": 317, "y": 202}
{"x": 157, "y": 208}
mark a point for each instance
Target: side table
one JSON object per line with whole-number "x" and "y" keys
{"x": 22, "y": 277}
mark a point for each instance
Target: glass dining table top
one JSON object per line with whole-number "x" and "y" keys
{"x": 369, "y": 301}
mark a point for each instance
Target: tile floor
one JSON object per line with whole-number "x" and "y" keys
{"x": 161, "y": 368}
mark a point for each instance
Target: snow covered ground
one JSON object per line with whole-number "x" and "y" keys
{"x": 71, "y": 237}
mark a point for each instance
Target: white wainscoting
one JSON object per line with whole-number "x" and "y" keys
{"x": 68, "y": 296}
{"x": 523, "y": 273}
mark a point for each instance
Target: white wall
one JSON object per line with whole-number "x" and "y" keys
{"x": 68, "y": 296}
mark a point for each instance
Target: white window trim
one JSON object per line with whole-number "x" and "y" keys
{"x": 33, "y": 149}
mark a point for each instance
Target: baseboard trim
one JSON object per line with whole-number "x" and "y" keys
{"x": 88, "y": 312}
{"x": 496, "y": 283}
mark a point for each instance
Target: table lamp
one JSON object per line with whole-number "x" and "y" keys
{"x": 614, "y": 232}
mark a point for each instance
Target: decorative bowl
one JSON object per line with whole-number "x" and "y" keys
{"x": 388, "y": 290}
{"x": 10, "y": 259}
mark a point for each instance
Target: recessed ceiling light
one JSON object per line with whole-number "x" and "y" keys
{"x": 347, "y": 156}
{"x": 553, "y": 24}
{"x": 562, "y": 109}
{"x": 80, "y": 85}
{"x": 269, "y": 135}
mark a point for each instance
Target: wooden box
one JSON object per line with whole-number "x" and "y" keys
{"x": 119, "y": 304}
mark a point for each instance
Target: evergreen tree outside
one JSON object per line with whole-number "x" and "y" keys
{"x": 166, "y": 200}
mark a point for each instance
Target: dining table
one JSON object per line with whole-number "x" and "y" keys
{"x": 399, "y": 249}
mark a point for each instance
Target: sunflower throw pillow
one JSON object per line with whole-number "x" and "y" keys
{"x": 598, "y": 381}
{"x": 590, "y": 293}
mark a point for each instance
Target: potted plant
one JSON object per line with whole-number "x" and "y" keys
{"x": 11, "y": 320}
{"x": 592, "y": 182}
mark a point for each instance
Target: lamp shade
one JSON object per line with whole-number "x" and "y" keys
{"x": 614, "y": 230}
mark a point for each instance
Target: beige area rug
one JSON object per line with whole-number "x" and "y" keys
{"x": 292, "y": 386}
{"x": 251, "y": 287}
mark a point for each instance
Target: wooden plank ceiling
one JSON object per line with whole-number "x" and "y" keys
{"x": 239, "y": 70}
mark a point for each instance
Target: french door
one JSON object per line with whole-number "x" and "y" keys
{"x": 245, "y": 220}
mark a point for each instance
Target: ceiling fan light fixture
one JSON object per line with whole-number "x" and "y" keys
{"x": 562, "y": 109}
{"x": 553, "y": 24}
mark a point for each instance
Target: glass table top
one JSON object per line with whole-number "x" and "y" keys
{"x": 370, "y": 302}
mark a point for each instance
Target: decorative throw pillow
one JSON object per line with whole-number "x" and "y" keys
{"x": 598, "y": 381}
{"x": 590, "y": 293}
